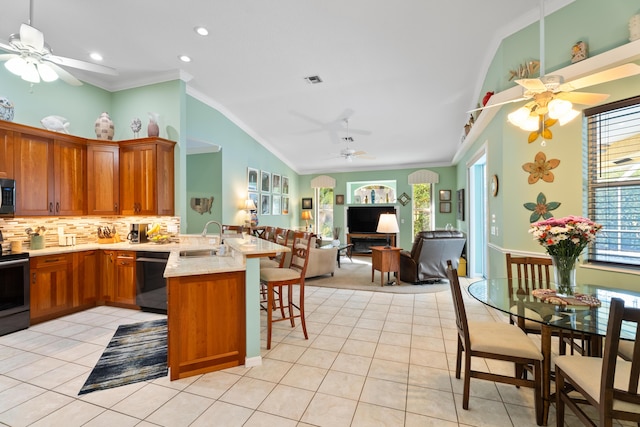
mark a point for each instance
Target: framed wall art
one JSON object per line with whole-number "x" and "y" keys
{"x": 285, "y": 205}
{"x": 275, "y": 205}
{"x": 285, "y": 185}
{"x": 252, "y": 179}
{"x": 340, "y": 199}
{"x": 265, "y": 204}
{"x": 265, "y": 182}
{"x": 275, "y": 183}
{"x": 307, "y": 203}
{"x": 460, "y": 194}
{"x": 254, "y": 196}
{"x": 445, "y": 195}
{"x": 445, "y": 207}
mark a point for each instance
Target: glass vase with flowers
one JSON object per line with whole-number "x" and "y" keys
{"x": 564, "y": 240}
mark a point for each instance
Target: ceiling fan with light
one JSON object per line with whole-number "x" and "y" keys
{"x": 551, "y": 99}
{"x": 33, "y": 60}
{"x": 349, "y": 153}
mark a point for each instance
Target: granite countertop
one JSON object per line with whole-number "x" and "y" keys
{"x": 234, "y": 260}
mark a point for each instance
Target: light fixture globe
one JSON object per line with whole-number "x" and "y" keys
{"x": 519, "y": 116}
{"x": 558, "y": 108}
{"x": 531, "y": 123}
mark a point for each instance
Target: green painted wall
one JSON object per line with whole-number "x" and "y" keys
{"x": 80, "y": 105}
{"x": 227, "y": 170}
{"x": 603, "y": 25}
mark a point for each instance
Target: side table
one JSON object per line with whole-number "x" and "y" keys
{"x": 385, "y": 260}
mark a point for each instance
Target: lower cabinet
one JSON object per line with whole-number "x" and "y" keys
{"x": 118, "y": 278}
{"x": 85, "y": 279}
{"x": 51, "y": 290}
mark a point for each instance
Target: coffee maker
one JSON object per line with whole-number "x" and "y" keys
{"x": 137, "y": 233}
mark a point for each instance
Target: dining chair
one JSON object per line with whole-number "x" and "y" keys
{"x": 524, "y": 274}
{"x": 230, "y": 229}
{"x": 609, "y": 384}
{"x": 277, "y": 280}
{"x": 496, "y": 341}
{"x": 281, "y": 237}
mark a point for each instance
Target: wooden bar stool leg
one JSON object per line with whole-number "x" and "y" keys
{"x": 270, "y": 303}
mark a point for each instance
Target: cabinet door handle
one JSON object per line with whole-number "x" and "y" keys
{"x": 57, "y": 207}
{"x": 50, "y": 207}
{"x": 34, "y": 278}
{"x": 115, "y": 207}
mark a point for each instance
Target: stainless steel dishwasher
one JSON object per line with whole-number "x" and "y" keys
{"x": 151, "y": 286}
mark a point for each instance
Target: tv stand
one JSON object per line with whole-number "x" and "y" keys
{"x": 362, "y": 242}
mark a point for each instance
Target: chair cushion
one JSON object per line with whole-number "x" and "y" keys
{"x": 278, "y": 274}
{"x": 585, "y": 372}
{"x": 502, "y": 338}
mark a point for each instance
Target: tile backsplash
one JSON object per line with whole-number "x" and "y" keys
{"x": 84, "y": 227}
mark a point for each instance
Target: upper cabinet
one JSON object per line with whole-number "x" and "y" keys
{"x": 50, "y": 174}
{"x": 6, "y": 153}
{"x": 146, "y": 177}
{"x": 103, "y": 179}
{"x": 60, "y": 174}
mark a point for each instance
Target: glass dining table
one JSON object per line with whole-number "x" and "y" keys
{"x": 587, "y": 314}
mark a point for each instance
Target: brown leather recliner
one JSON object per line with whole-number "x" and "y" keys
{"x": 427, "y": 260}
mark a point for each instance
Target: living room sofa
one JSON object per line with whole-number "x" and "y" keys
{"x": 427, "y": 260}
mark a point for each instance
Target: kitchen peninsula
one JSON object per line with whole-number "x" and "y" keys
{"x": 213, "y": 311}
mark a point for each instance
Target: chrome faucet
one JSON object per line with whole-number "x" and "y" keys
{"x": 204, "y": 232}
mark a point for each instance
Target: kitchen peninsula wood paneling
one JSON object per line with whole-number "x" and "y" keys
{"x": 60, "y": 174}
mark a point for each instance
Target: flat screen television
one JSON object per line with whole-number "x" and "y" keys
{"x": 364, "y": 219}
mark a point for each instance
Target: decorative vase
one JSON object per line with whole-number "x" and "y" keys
{"x": 564, "y": 274}
{"x": 6, "y": 110}
{"x": 37, "y": 242}
{"x": 153, "y": 129}
{"x": 335, "y": 242}
{"x": 104, "y": 127}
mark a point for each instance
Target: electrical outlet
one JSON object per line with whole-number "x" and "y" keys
{"x": 493, "y": 230}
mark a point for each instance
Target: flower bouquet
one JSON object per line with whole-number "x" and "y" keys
{"x": 565, "y": 239}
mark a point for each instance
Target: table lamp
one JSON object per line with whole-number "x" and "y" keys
{"x": 306, "y": 215}
{"x": 387, "y": 223}
{"x": 249, "y": 205}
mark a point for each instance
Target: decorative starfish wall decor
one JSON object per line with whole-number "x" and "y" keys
{"x": 541, "y": 208}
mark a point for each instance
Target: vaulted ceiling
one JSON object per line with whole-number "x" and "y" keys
{"x": 403, "y": 72}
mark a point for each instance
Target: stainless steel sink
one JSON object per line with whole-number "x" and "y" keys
{"x": 198, "y": 253}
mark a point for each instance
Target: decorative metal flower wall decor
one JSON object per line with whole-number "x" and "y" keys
{"x": 541, "y": 208}
{"x": 541, "y": 168}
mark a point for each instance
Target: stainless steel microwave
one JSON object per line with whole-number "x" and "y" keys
{"x": 8, "y": 204}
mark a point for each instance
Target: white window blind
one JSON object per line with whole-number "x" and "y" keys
{"x": 613, "y": 191}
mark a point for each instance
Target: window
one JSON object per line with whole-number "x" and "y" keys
{"x": 613, "y": 191}
{"x": 421, "y": 205}
{"x": 324, "y": 212}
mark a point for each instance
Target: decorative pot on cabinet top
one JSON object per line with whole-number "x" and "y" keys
{"x": 104, "y": 127}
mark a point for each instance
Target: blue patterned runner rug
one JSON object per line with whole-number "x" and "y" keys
{"x": 137, "y": 352}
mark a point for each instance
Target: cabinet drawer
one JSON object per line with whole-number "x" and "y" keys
{"x": 50, "y": 260}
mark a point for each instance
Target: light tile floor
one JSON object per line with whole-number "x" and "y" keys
{"x": 372, "y": 359}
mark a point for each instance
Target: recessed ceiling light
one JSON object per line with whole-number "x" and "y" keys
{"x": 96, "y": 56}
{"x": 202, "y": 31}
{"x": 184, "y": 58}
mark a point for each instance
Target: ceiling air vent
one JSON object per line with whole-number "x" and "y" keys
{"x": 347, "y": 139}
{"x": 313, "y": 80}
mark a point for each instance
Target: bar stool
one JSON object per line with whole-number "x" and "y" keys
{"x": 279, "y": 280}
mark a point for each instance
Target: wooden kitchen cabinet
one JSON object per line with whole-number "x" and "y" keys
{"x": 50, "y": 175}
{"x": 85, "y": 279}
{"x": 51, "y": 286}
{"x": 6, "y": 153}
{"x": 103, "y": 178}
{"x": 125, "y": 283}
{"x": 117, "y": 278}
{"x": 147, "y": 177}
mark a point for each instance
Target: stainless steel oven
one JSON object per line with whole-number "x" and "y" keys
{"x": 14, "y": 292}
